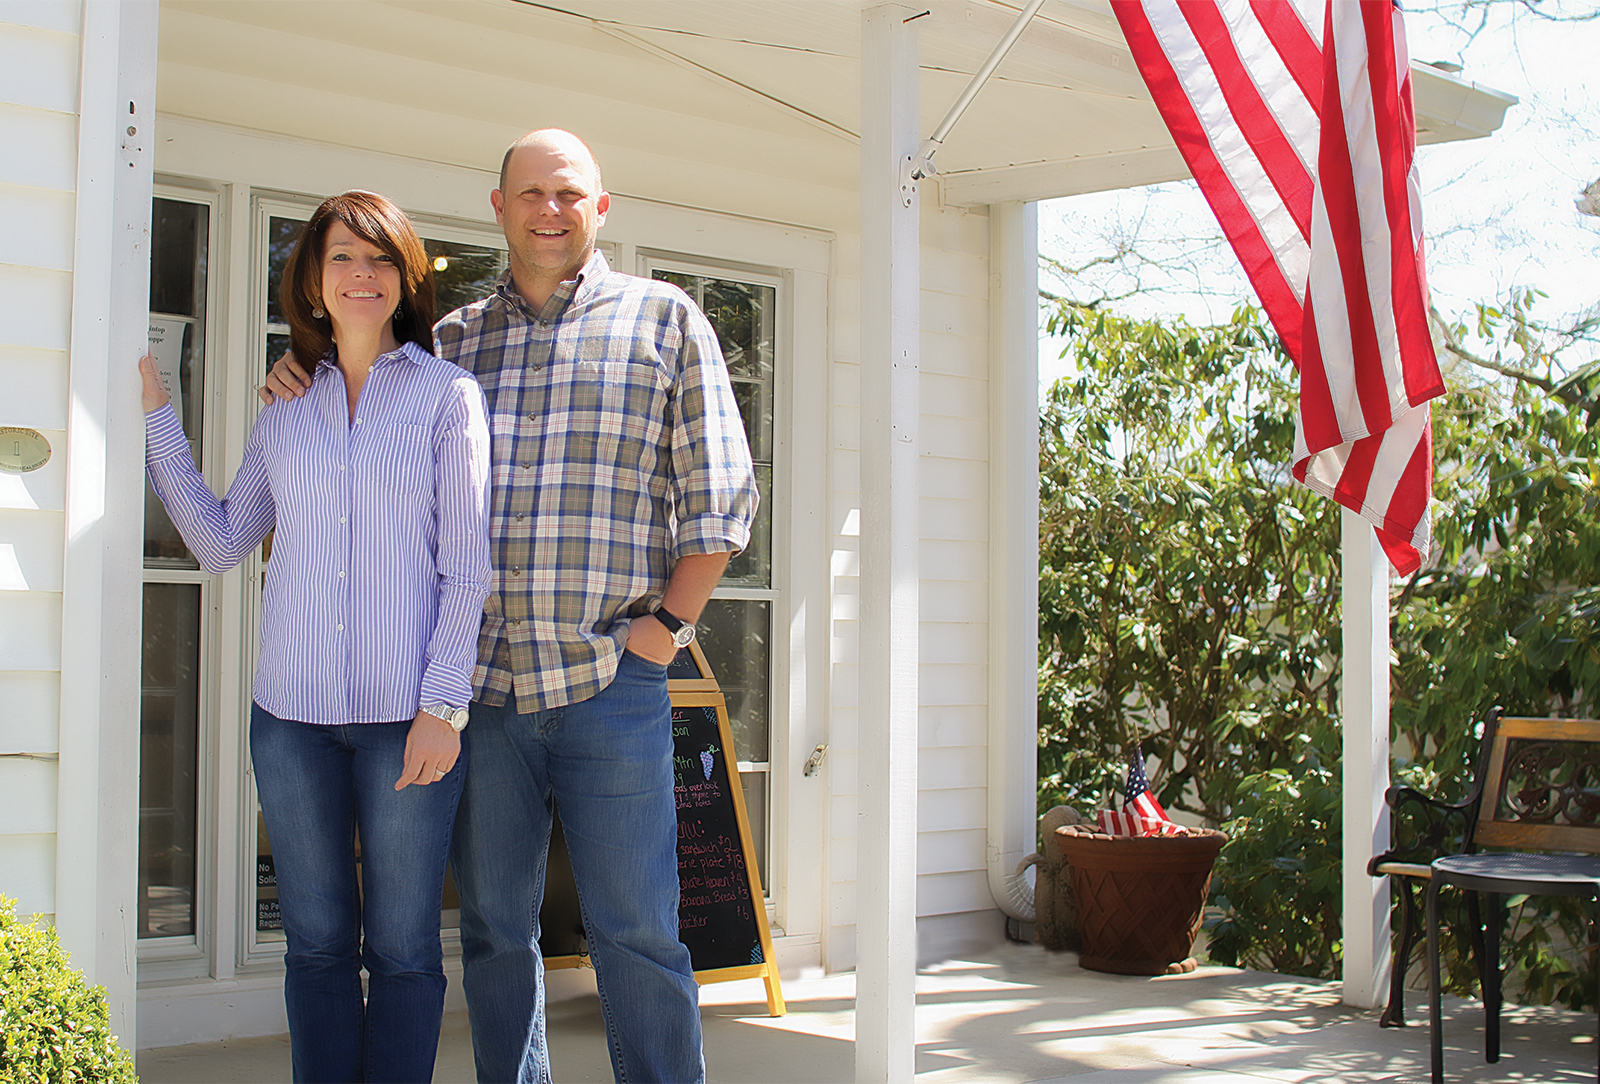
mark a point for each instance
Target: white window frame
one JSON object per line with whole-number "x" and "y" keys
{"x": 188, "y": 955}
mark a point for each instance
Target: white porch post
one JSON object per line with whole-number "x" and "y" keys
{"x": 886, "y": 827}
{"x": 1013, "y": 546}
{"x": 1366, "y": 759}
{"x": 97, "y": 815}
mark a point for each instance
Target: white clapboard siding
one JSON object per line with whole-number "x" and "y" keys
{"x": 28, "y": 873}
{"x": 30, "y": 550}
{"x": 33, "y": 712}
{"x": 39, "y": 50}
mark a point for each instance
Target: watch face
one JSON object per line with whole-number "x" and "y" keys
{"x": 683, "y": 635}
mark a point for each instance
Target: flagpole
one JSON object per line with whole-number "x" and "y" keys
{"x": 1364, "y": 689}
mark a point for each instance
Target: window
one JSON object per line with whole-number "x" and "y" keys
{"x": 735, "y": 631}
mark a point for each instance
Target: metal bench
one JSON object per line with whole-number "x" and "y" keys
{"x": 1536, "y": 789}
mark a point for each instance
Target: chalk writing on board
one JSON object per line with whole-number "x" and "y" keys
{"x": 716, "y": 908}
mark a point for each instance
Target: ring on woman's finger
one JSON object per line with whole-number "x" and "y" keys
{"x": 440, "y": 773}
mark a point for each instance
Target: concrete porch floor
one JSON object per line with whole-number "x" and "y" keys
{"x": 1022, "y": 1014}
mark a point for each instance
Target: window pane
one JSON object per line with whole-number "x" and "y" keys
{"x": 282, "y": 233}
{"x": 463, "y": 274}
{"x": 753, "y": 566}
{"x": 733, "y": 633}
{"x": 169, "y": 721}
{"x": 754, "y": 785}
{"x": 178, "y": 261}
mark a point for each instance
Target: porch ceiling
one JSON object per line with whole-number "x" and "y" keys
{"x": 720, "y": 103}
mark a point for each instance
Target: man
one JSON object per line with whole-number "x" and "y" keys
{"x": 622, "y": 485}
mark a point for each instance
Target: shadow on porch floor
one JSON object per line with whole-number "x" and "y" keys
{"x": 1023, "y": 1014}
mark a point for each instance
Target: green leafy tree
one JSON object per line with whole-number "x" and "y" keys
{"x": 1189, "y": 598}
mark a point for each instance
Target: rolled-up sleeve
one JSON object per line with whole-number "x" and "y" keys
{"x": 713, "y": 482}
{"x": 461, "y": 485}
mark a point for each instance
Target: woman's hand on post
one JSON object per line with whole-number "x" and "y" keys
{"x": 432, "y": 747}
{"x": 287, "y": 380}
{"x": 154, "y": 395}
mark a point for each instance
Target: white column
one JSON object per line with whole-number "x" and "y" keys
{"x": 97, "y": 840}
{"x": 886, "y": 829}
{"x": 1013, "y": 544}
{"x": 1365, "y": 691}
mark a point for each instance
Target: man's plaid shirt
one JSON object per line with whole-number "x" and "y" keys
{"x": 617, "y": 447}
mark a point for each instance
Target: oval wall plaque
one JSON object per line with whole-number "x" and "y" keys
{"x": 22, "y": 450}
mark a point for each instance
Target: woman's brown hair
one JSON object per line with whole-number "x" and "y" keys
{"x": 374, "y": 219}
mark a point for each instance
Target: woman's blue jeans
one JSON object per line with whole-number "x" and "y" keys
{"x": 606, "y": 764}
{"x": 319, "y": 785}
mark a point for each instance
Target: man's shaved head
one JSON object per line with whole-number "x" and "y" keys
{"x": 554, "y": 138}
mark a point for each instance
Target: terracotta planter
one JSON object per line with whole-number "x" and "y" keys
{"x": 1140, "y": 898}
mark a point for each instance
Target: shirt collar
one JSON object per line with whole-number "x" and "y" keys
{"x": 580, "y": 287}
{"x": 407, "y": 351}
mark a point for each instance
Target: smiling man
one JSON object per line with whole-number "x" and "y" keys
{"x": 622, "y": 485}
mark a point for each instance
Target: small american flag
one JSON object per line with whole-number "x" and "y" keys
{"x": 1141, "y": 814}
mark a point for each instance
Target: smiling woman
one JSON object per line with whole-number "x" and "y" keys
{"x": 375, "y": 485}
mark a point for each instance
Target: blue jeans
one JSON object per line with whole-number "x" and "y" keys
{"x": 318, "y": 786}
{"x": 607, "y": 764}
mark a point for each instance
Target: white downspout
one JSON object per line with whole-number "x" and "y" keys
{"x": 1013, "y": 550}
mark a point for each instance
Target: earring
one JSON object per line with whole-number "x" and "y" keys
{"x": 316, "y": 311}
{"x": 399, "y": 310}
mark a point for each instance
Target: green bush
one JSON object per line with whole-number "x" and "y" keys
{"x": 53, "y": 1028}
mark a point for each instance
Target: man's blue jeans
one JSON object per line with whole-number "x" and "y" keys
{"x": 606, "y": 763}
{"x": 318, "y": 785}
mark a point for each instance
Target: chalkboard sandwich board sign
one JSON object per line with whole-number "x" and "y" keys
{"x": 722, "y": 915}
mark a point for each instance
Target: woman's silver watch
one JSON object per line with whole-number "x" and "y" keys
{"x": 456, "y": 717}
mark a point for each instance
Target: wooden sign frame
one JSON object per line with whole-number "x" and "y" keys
{"x": 704, "y": 692}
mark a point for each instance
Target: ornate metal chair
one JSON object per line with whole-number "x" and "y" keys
{"x": 1537, "y": 790}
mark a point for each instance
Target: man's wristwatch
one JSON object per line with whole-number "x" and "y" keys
{"x": 682, "y": 631}
{"x": 456, "y": 717}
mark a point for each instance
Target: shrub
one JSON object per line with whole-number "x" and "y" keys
{"x": 53, "y": 1027}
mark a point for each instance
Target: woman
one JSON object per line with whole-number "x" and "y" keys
{"x": 376, "y": 486}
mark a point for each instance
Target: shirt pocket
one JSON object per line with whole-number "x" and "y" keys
{"x": 618, "y": 414}
{"x": 402, "y": 462}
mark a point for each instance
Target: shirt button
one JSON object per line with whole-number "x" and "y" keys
{"x": 516, "y": 622}
{"x": 341, "y": 519}
{"x": 340, "y": 628}
{"x": 341, "y": 573}
{"x": 521, "y": 517}
{"x": 358, "y": 421}
{"x": 533, "y": 417}
{"x": 526, "y": 465}
{"x": 515, "y": 571}
{"x": 341, "y": 466}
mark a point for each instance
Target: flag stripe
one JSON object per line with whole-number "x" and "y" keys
{"x": 1296, "y": 47}
{"x": 1279, "y": 292}
{"x": 1285, "y": 172}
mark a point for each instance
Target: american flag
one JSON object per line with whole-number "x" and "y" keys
{"x": 1304, "y": 145}
{"x": 1141, "y": 814}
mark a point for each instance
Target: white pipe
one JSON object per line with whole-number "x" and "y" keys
{"x": 1013, "y": 551}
